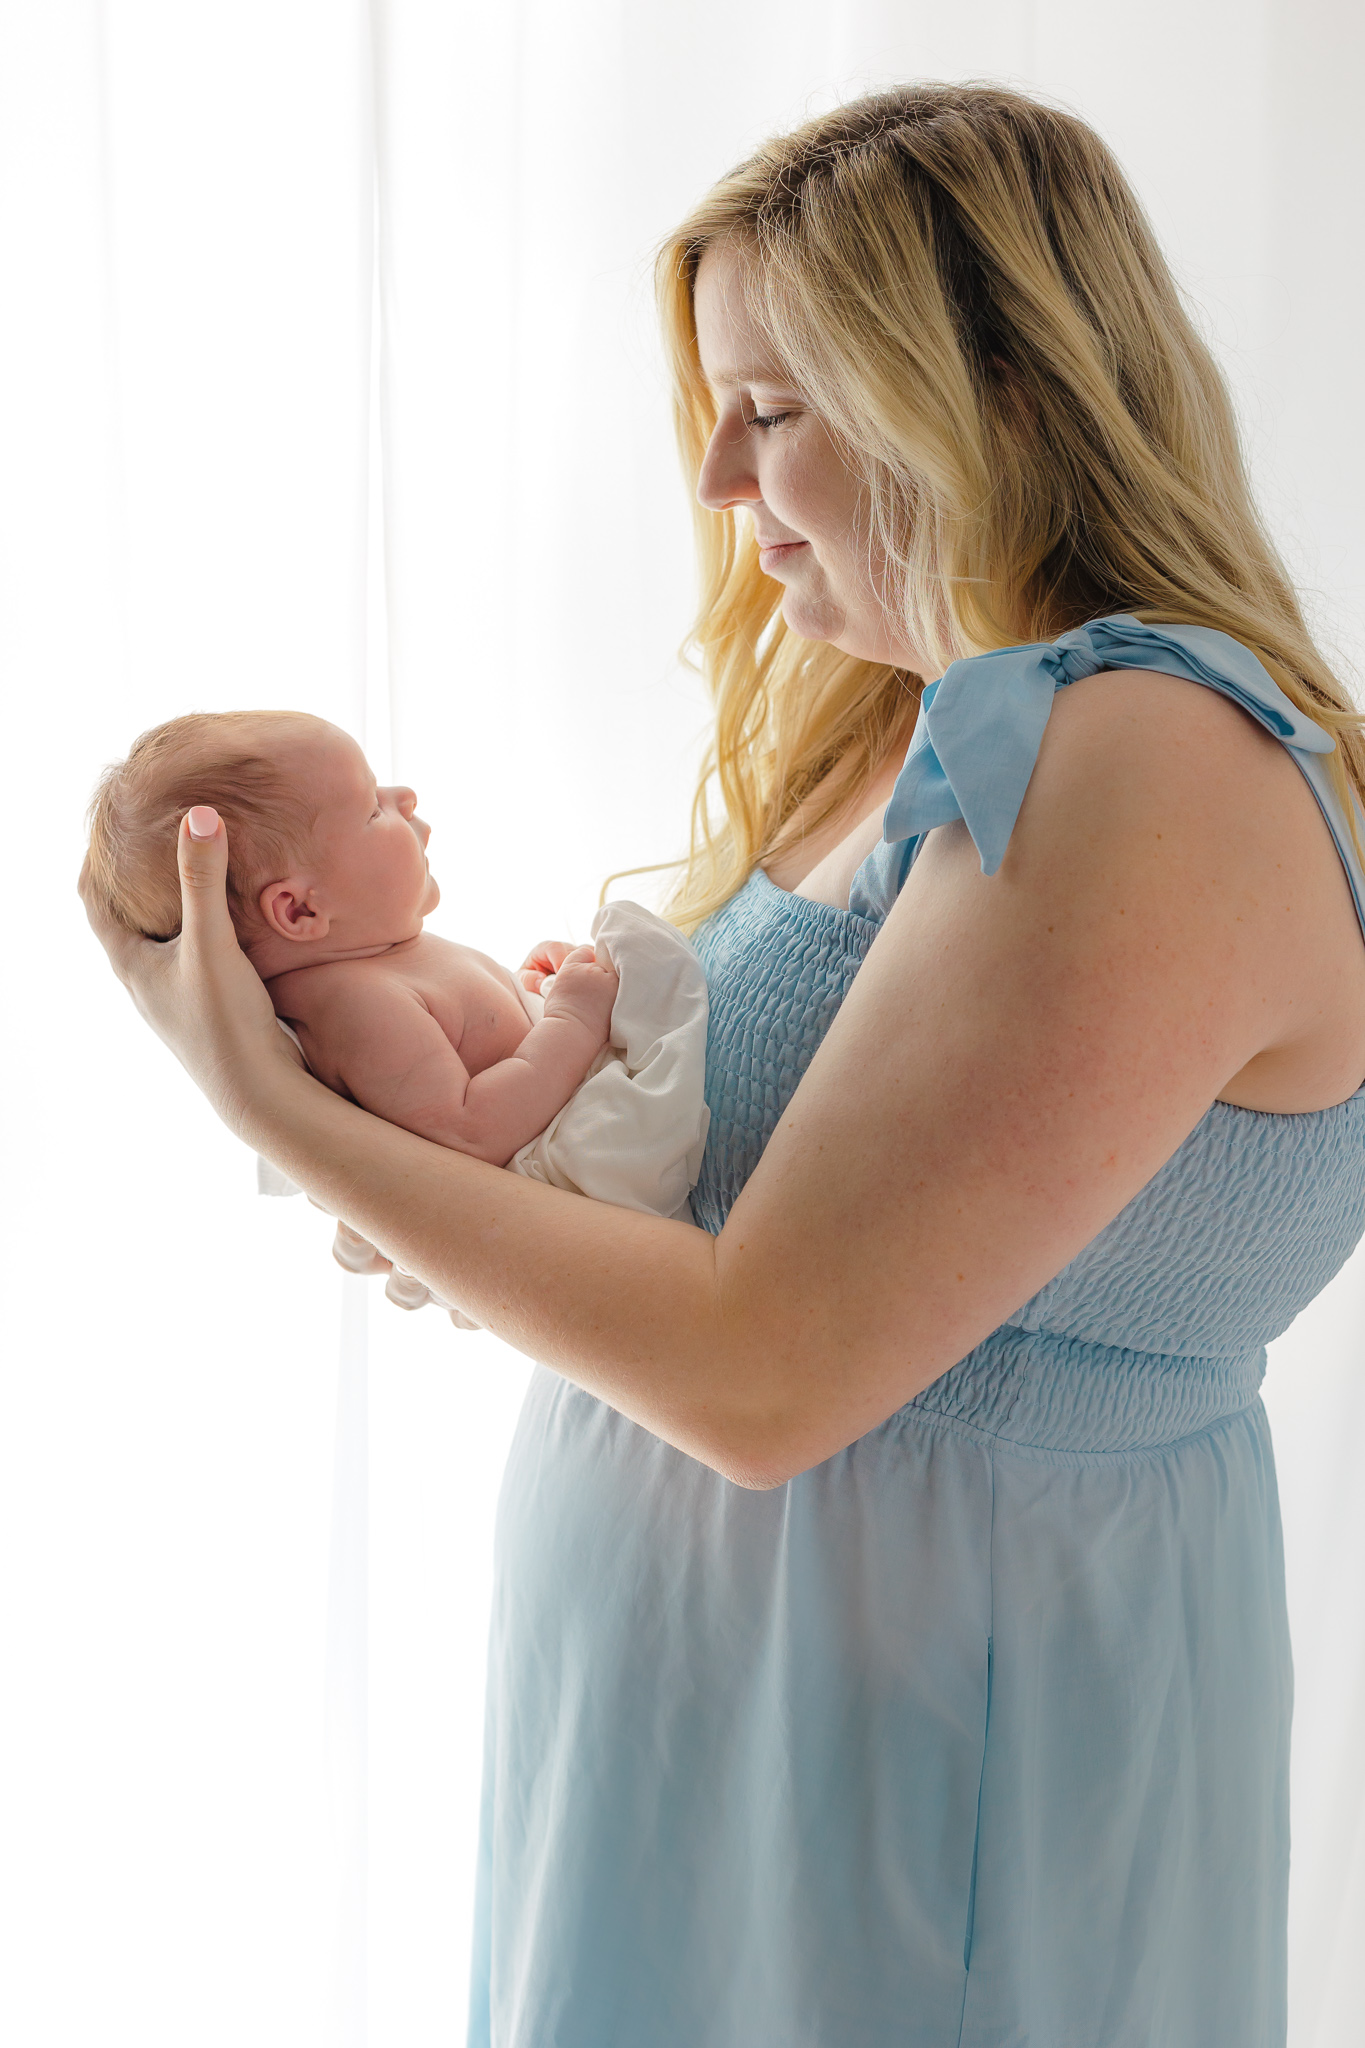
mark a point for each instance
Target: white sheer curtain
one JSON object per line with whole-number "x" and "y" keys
{"x": 327, "y": 377}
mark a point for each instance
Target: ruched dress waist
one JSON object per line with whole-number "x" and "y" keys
{"x": 1040, "y": 1394}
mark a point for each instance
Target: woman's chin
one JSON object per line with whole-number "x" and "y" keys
{"x": 814, "y": 618}
{"x": 851, "y": 632}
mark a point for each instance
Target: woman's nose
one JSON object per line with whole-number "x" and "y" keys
{"x": 727, "y": 471}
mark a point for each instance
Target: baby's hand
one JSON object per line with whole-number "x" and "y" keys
{"x": 541, "y": 963}
{"x": 584, "y": 989}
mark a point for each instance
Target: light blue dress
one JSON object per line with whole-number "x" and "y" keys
{"x": 976, "y": 1735}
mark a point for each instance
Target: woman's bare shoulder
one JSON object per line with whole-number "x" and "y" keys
{"x": 1134, "y": 760}
{"x": 1126, "y": 720}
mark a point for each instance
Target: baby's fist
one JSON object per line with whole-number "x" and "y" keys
{"x": 542, "y": 963}
{"x": 585, "y": 989}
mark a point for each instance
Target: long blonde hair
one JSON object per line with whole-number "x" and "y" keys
{"x": 961, "y": 282}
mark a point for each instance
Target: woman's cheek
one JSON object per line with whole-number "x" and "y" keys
{"x": 795, "y": 499}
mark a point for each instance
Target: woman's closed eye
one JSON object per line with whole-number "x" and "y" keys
{"x": 768, "y": 419}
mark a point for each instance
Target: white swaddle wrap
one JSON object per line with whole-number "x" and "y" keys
{"x": 634, "y": 1130}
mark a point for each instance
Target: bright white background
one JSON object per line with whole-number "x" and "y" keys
{"x": 328, "y": 378}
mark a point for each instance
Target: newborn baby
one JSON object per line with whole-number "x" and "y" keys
{"x": 328, "y": 884}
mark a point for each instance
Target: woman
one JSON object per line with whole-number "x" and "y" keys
{"x": 875, "y": 1659}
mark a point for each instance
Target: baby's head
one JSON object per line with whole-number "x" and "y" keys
{"x": 322, "y": 863}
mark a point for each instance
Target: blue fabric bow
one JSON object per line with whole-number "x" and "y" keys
{"x": 981, "y": 724}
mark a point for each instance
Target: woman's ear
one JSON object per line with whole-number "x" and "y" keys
{"x": 291, "y": 910}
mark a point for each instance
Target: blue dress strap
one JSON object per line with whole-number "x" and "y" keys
{"x": 981, "y": 724}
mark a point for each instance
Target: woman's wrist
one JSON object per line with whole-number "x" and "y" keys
{"x": 278, "y": 1108}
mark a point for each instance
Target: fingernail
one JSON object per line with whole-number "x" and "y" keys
{"x": 203, "y": 821}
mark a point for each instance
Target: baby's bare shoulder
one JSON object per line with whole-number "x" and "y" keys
{"x": 428, "y": 962}
{"x": 428, "y": 954}
{"x": 311, "y": 992}
{"x": 350, "y": 1014}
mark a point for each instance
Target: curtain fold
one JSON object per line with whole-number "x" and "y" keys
{"x": 330, "y": 379}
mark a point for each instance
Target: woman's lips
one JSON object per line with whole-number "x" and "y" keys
{"x": 773, "y": 557}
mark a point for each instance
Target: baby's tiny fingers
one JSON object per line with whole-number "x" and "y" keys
{"x": 546, "y": 956}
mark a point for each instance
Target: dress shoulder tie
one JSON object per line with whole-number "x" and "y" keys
{"x": 981, "y": 724}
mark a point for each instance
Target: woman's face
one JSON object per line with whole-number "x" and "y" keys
{"x": 774, "y": 458}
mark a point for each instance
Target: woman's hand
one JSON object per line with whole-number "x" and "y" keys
{"x": 199, "y": 992}
{"x": 358, "y": 1255}
{"x": 355, "y": 1252}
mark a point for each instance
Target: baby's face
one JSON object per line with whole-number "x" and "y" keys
{"x": 368, "y": 872}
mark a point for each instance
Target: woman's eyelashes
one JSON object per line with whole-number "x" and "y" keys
{"x": 766, "y": 419}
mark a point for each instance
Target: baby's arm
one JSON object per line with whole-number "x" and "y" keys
{"x": 380, "y": 1043}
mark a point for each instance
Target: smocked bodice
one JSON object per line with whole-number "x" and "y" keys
{"x": 1236, "y": 1233}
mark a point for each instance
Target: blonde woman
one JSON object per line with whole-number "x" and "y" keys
{"x": 889, "y": 1643}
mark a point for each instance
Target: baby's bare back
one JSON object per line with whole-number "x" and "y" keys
{"x": 436, "y": 1037}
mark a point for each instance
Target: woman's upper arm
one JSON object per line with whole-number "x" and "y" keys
{"x": 1017, "y": 1057}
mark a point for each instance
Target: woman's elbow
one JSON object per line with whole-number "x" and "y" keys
{"x": 758, "y": 1456}
{"x": 753, "y": 1426}
{"x": 753, "y": 1478}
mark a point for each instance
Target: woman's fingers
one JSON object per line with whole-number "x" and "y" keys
{"x": 202, "y": 848}
{"x": 405, "y": 1290}
{"x": 356, "y": 1253}
{"x": 199, "y": 991}
{"x": 205, "y": 919}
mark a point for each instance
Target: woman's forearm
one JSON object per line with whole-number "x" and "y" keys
{"x": 630, "y": 1307}
{"x": 625, "y": 1305}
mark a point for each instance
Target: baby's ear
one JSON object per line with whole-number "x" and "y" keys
{"x": 291, "y": 910}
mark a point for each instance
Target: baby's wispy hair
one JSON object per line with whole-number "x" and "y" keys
{"x": 225, "y": 758}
